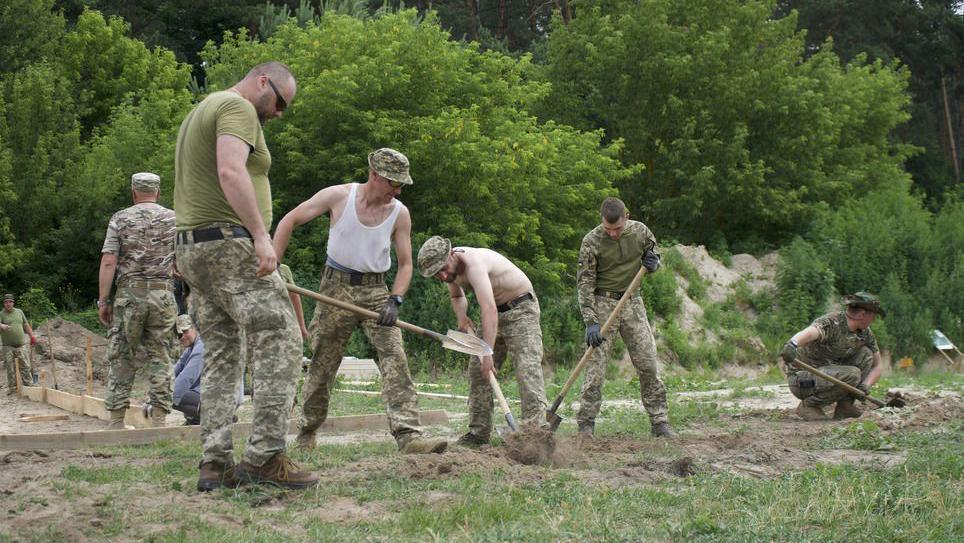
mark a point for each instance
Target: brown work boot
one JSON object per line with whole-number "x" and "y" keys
{"x": 416, "y": 444}
{"x": 846, "y": 410}
{"x": 662, "y": 429}
{"x": 306, "y": 440}
{"x": 279, "y": 470}
{"x": 472, "y": 441}
{"x": 214, "y": 475}
{"x": 158, "y": 416}
{"x": 116, "y": 420}
{"x": 810, "y": 413}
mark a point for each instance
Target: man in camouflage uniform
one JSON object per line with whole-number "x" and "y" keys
{"x": 510, "y": 323}
{"x": 841, "y": 345}
{"x": 609, "y": 258}
{"x": 222, "y": 197}
{"x": 14, "y": 331}
{"x": 365, "y": 218}
{"x": 138, "y": 258}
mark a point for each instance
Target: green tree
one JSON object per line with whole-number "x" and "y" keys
{"x": 742, "y": 138}
{"x": 29, "y": 32}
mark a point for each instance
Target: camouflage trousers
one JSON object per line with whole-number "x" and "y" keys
{"x": 633, "y": 326}
{"x": 520, "y": 337}
{"x": 11, "y": 356}
{"x": 328, "y": 334}
{"x": 231, "y": 304}
{"x": 818, "y": 392}
{"x": 140, "y": 335}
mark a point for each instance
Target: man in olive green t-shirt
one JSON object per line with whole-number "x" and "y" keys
{"x": 222, "y": 203}
{"x": 14, "y": 331}
{"x": 609, "y": 258}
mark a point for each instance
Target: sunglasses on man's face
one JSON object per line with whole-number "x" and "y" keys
{"x": 394, "y": 184}
{"x": 279, "y": 104}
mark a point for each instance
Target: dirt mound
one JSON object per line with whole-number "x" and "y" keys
{"x": 920, "y": 411}
{"x": 531, "y": 446}
{"x": 69, "y": 343}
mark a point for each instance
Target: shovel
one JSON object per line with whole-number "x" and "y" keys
{"x": 452, "y": 340}
{"x": 551, "y": 416}
{"x": 896, "y": 401}
{"x": 503, "y": 404}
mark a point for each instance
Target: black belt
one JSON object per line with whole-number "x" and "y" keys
{"x": 513, "y": 303}
{"x": 609, "y": 294}
{"x": 354, "y": 278}
{"x": 212, "y": 234}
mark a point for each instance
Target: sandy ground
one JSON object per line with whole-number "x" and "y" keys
{"x": 756, "y": 443}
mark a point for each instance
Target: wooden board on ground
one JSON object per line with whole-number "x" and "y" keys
{"x": 142, "y": 436}
{"x": 358, "y": 368}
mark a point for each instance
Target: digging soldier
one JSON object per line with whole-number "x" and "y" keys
{"x": 138, "y": 259}
{"x": 14, "y": 331}
{"x": 841, "y": 345}
{"x": 510, "y": 323}
{"x": 609, "y": 258}
{"x": 222, "y": 196}
{"x": 365, "y": 218}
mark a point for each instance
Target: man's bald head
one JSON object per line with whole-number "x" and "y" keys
{"x": 277, "y": 71}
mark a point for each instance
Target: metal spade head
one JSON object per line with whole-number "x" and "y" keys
{"x": 466, "y": 343}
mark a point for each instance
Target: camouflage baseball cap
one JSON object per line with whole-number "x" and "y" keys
{"x": 432, "y": 255}
{"x": 865, "y": 300}
{"x": 390, "y": 164}
{"x": 145, "y": 182}
{"x": 8, "y": 296}
{"x": 184, "y": 323}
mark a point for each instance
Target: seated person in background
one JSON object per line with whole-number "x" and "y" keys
{"x": 187, "y": 372}
{"x": 841, "y": 345}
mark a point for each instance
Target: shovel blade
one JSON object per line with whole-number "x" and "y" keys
{"x": 466, "y": 343}
{"x": 554, "y": 420}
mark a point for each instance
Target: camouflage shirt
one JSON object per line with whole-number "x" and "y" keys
{"x": 608, "y": 264}
{"x": 836, "y": 343}
{"x": 142, "y": 237}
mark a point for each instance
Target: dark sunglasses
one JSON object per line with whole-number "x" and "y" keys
{"x": 280, "y": 104}
{"x": 392, "y": 183}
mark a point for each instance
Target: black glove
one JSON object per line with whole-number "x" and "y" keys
{"x": 593, "y": 337}
{"x": 863, "y": 388}
{"x": 651, "y": 261}
{"x": 389, "y": 313}
{"x": 789, "y": 353}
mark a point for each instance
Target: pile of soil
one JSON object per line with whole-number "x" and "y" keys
{"x": 69, "y": 343}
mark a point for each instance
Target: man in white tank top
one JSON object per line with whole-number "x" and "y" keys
{"x": 365, "y": 218}
{"x": 510, "y": 323}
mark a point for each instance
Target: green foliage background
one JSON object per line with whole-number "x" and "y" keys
{"x": 715, "y": 120}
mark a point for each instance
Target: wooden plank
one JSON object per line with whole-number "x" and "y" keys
{"x": 142, "y": 436}
{"x": 42, "y": 418}
{"x": 89, "y": 356}
{"x": 426, "y": 394}
{"x": 94, "y": 407}
{"x": 33, "y": 393}
{"x": 65, "y": 400}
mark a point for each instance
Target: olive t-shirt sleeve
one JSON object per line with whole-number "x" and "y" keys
{"x": 238, "y": 118}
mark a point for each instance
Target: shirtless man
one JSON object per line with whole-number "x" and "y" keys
{"x": 510, "y": 323}
{"x": 365, "y": 218}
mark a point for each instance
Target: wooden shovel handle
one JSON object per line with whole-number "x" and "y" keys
{"x": 368, "y": 314}
{"x": 633, "y": 286}
{"x": 849, "y": 388}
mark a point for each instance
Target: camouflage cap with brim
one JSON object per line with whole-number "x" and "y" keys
{"x": 145, "y": 182}
{"x": 432, "y": 255}
{"x": 865, "y": 300}
{"x": 8, "y": 296}
{"x": 390, "y": 164}
{"x": 184, "y": 323}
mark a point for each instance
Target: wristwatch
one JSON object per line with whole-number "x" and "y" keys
{"x": 102, "y": 303}
{"x": 397, "y": 299}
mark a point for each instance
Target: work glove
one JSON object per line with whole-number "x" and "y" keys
{"x": 389, "y": 313}
{"x": 593, "y": 337}
{"x": 650, "y": 261}
{"x": 789, "y": 352}
{"x": 863, "y": 388}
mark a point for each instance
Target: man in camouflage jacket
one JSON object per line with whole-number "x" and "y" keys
{"x": 609, "y": 258}
{"x": 841, "y": 345}
{"x": 138, "y": 258}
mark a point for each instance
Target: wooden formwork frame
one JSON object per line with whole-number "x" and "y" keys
{"x": 94, "y": 407}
